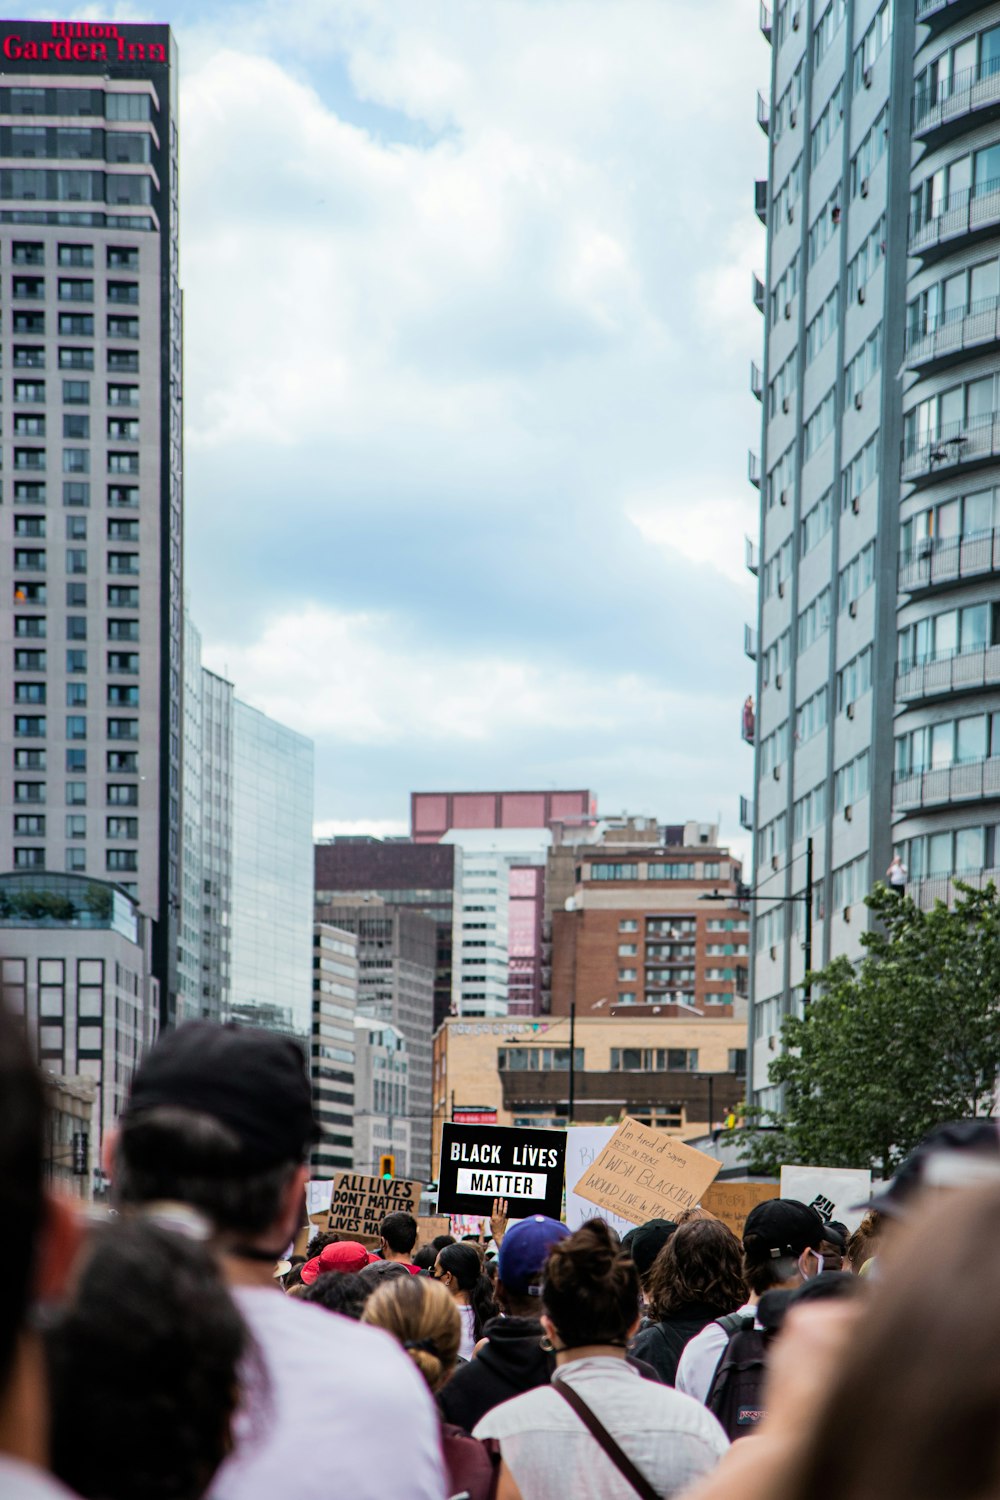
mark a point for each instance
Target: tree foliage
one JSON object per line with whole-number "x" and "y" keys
{"x": 904, "y": 1039}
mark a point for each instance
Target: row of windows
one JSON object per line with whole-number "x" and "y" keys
{"x": 857, "y": 576}
{"x": 962, "y": 851}
{"x": 76, "y": 426}
{"x": 32, "y": 357}
{"x": 35, "y": 627}
{"x": 35, "y": 560}
{"x": 951, "y": 633}
{"x": 965, "y": 516}
{"x": 76, "y": 528}
{"x": 74, "y": 393}
{"x": 75, "y": 325}
{"x": 956, "y": 742}
{"x": 76, "y": 826}
{"x": 777, "y": 570}
{"x": 814, "y": 620}
{"x": 956, "y": 68}
{"x": 822, "y": 327}
{"x": 854, "y": 679}
{"x": 64, "y": 101}
{"x": 119, "y": 696}
{"x": 865, "y": 261}
{"x": 76, "y": 492}
{"x": 969, "y": 176}
{"x": 809, "y": 811}
{"x": 785, "y": 199}
{"x": 811, "y": 716}
{"x": 71, "y": 289}
{"x": 774, "y": 661}
{"x": 871, "y": 45}
{"x": 655, "y": 870}
{"x": 850, "y": 882}
{"x": 74, "y": 461}
{"x": 816, "y": 522}
{"x": 784, "y": 116}
{"x": 826, "y": 29}
{"x": 76, "y": 661}
{"x": 851, "y": 782}
{"x": 972, "y": 290}
{"x": 76, "y": 143}
{"x": 118, "y": 794}
{"x": 70, "y": 186}
{"x": 819, "y": 424}
{"x": 945, "y": 414}
{"x": 115, "y": 860}
{"x": 864, "y": 365}
{"x": 827, "y": 125}
{"x": 35, "y": 726}
{"x": 869, "y": 153}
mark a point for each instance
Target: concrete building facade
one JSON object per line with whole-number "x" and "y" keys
{"x": 332, "y": 1055}
{"x": 879, "y": 603}
{"x": 383, "y": 1119}
{"x": 673, "y": 1072}
{"x": 91, "y": 735}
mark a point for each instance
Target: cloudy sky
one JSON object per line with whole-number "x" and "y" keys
{"x": 468, "y": 333}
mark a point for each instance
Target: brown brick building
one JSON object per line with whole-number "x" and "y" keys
{"x": 637, "y": 932}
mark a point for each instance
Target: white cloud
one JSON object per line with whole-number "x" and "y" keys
{"x": 378, "y": 828}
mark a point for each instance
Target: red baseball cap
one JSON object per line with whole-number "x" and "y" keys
{"x": 344, "y": 1255}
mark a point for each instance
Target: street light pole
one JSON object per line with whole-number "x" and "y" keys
{"x": 572, "y": 1061}
{"x": 808, "y": 944}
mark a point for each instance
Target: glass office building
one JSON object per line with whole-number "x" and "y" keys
{"x": 877, "y": 640}
{"x": 271, "y": 936}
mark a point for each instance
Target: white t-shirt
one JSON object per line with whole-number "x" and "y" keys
{"x": 338, "y": 1391}
{"x": 20, "y": 1481}
{"x": 700, "y": 1358}
{"x": 467, "y": 1343}
{"x": 670, "y": 1438}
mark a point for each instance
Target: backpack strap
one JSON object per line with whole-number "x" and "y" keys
{"x": 735, "y": 1323}
{"x": 600, "y": 1433}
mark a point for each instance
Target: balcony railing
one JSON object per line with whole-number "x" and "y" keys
{"x": 938, "y": 13}
{"x": 953, "y": 446}
{"x": 760, "y": 199}
{"x": 765, "y": 21}
{"x": 946, "y": 560}
{"x": 975, "y": 328}
{"x": 942, "y": 887}
{"x": 753, "y": 468}
{"x": 967, "y": 212}
{"x": 763, "y": 119}
{"x": 752, "y": 557}
{"x": 971, "y": 781}
{"x": 758, "y": 292}
{"x": 957, "y": 673}
{"x": 756, "y": 381}
{"x": 968, "y": 92}
{"x": 750, "y": 642}
{"x": 746, "y": 813}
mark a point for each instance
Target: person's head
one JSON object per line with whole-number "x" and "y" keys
{"x": 524, "y": 1250}
{"x": 342, "y": 1292}
{"x": 424, "y": 1318}
{"x": 320, "y": 1240}
{"x": 834, "y": 1246}
{"x": 913, "y": 1407}
{"x": 379, "y": 1271}
{"x": 459, "y": 1269}
{"x": 863, "y": 1244}
{"x": 645, "y": 1243}
{"x": 345, "y": 1257}
{"x": 220, "y": 1118}
{"x": 701, "y": 1263}
{"x": 781, "y": 1240}
{"x": 590, "y": 1295}
{"x": 425, "y": 1257}
{"x": 149, "y": 1352}
{"x": 440, "y": 1240}
{"x": 398, "y": 1235}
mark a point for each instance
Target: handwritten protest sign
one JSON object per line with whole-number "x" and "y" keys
{"x": 732, "y": 1201}
{"x": 358, "y": 1204}
{"x": 646, "y": 1174}
{"x": 318, "y": 1194}
{"x": 584, "y": 1144}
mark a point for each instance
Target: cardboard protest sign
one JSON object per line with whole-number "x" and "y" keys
{"x": 646, "y": 1174}
{"x": 584, "y": 1144}
{"x": 832, "y": 1191}
{"x": 429, "y": 1228}
{"x": 482, "y": 1162}
{"x": 732, "y": 1201}
{"x": 358, "y": 1204}
{"x": 318, "y": 1193}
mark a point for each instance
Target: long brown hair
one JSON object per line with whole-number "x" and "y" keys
{"x": 914, "y": 1413}
{"x": 701, "y": 1262}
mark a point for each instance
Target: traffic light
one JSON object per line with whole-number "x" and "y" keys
{"x": 387, "y": 1166}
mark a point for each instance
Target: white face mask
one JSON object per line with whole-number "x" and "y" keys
{"x": 806, "y": 1276}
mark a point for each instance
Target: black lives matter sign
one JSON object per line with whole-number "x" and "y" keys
{"x": 483, "y": 1162}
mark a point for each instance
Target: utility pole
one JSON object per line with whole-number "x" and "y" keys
{"x": 572, "y": 1061}
{"x": 808, "y": 944}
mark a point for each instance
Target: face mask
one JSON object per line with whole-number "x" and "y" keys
{"x": 819, "y": 1265}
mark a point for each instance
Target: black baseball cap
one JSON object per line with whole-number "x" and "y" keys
{"x": 645, "y": 1243}
{"x": 780, "y": 1227}
{"x": 253, "y": 1081}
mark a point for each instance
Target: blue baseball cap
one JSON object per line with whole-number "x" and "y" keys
{"x": 524, "y": 1250}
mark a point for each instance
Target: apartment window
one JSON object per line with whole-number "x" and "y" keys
{"x": 122, "y": 697}
{"x": 75, "y": 289}
{"x": 816, "y": 523}
{"x": 29, "y": 726}
{"x": 777, "y": 570}
{"x": 30, "y": 626}
{"x": 29, "y": 859}
{"x": 974, "y": 737}
{"x": 123, "y": 463}
{"x": 29, "y": 692}
{"x": 76, "y": 759}
{"x": 29, "y": 391}
{"x": 814, "y": 620}
{"x": 874, "y": 39}
{"x": 123, "y": 395}
{"x": 864, "y": 365}
{"x": 613, "y": 871}
{"x": 77, "y": 255}
{"x": 76, "y": 661}
{"x": 123, "y": 794}
{"x": 122, "y": 597}
{"x": 819, "y": 425}
{"x": 124, "y": 496}
{"x": 850, "y": 882}
{"x": 952, "y": 632}
{"x": 851, "y": 782}
{"x": 826, "y": 127}
{"x": 76, "y": 695}
{"x": 856, "y": 577}
{"x": 29, "y": 322}
{"x": 76, "y": 393}
{"x": 123, "y": 729}
{"x": 76, "y": 825}
{"x": 124, "y": 360}
{"x": 76, "y": 560}
{"x": 784, "y": 290}
{"x": 624, "y": 975}
{"x": 854, "y": 680}
{"x": 123, "y": 429}
{"x": 76, "y": 325}
{"x": 775, "y": 659}
{"x": 124, "y": 292}
{"x": 123, "y": 562}
{"x": 76, "y": 359}
{"x": 626, "y": 997}
{"x": 76, "y": 860}
{"x": 826, "y": 29}
{"x": 29, "y": 791}
{"x": 123, "y": 661}
{"x": 858, "y": 474}
{"x": 824, "y": 226}
{"x": 29, "y": 661}
{"x": 76, "y": 461}
{"x": 780, "y": 479}
{"x": 123, "y": 828}
{"x": 76, "y": 794}
{"x": 29, "y": 492}
{"x": 76, "y": 528}
{"x": 628, "y": 924}
{"x": 29, "y": 825}
{"x": 127, "y": 107}
{"x": 122, "y": 859}
{"x": 774, "y": 749}
{"x": 76, "y": 726}
{"x": 29, "y": 559}
{"x": 822, "y": 327}
{"x": 30, "y": 526}
{"x": 76, "y": 595}
{"x": 869, "y": 153}
{"x": 27, "y": 252}
{"x": 781, "y": 388}
{"x": 120, "y": 327}
{"x": 76, "y": 627}
{"x": 968, "y": 292}
{"x": 627, "y": 950}
{"x": 669, "y": 870}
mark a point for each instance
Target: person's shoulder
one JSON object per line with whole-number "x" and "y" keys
{"x": 519, "y": 1413}
{"x": 669, "y": 1410}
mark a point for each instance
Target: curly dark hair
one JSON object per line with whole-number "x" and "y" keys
{"x": 152, "y": 1349}
{"x": 701, "y": 1262}
{"x": 341, "y": 1292}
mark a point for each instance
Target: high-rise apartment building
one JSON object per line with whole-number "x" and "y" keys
{"x": 877, "y": 723}
{"x": 332, "y": 1065}
{"x": 90, "y": 421}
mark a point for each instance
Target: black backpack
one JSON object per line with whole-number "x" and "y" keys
{"x": 737, "y": 1387}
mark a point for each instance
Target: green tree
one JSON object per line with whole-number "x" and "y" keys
{"x": 902, "y": 1040}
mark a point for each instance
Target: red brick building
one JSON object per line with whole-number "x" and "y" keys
{"x": 637, "y": 933}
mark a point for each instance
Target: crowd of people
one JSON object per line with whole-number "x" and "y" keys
{"x": 175, "y": 1348}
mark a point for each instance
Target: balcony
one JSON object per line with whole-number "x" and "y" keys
{"x": 947, "y": 676}
{"x": 753, "y": 468}
{"x": 936, "y": 14}
{"x": 760, "y": 199}
{"x": 941, "y": 561}
{"x": 758, "y": 292}
{"x": 750, "y": 642}
{"x": 746, "y": 814}
{"x": 946, "y": 786}
{"x": 942, "y": 887}
{"x": 952, "y": 449}
{"x": 765, "y": 22}
{"x": 763, "y": 119}
{"x": 971, "y": 98}
{"x": 972, "y": 212}
{"x": 752, "y": 557}
{"x": 600, "y": 1094}
{"x": 756, "y": 381}
{"x": 748, "y": 722}
{"x": 948, "y": 340}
